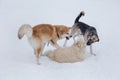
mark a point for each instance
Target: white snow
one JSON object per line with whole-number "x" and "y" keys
{"x": 17, "y": 60}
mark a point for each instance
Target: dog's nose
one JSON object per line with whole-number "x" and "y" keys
{"x": 67, "y": 38}
{"x": 98, "y": 40}
{"x": 88, "y": 43}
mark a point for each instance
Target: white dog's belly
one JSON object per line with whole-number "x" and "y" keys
{"x": 67, "y": 55}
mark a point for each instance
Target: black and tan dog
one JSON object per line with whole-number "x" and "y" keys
{"x": 89, "y": 32}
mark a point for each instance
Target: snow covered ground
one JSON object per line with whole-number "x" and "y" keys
{"x": 17, "y": 61}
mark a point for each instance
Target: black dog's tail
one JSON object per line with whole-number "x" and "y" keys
{"x": 82, "y": 13}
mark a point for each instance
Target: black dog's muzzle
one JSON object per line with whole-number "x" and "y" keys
{"x": 97, "y": 40}
{"x": 89, "y": 42}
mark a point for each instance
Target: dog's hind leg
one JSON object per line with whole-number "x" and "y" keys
{"x": 38, "y": 53}
{"x": 34, "y": 52}
{"x": 91, "y": 50}
{"x": 43, "y": 49}
{"x": 74, "y": 30}
{"x": 74, "y": 38}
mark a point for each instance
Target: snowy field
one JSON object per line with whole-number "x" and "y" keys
{"x": 17, "y": 61}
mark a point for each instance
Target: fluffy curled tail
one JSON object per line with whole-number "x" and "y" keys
{"x": 82, "y": 13}
{"x": 25, "y": 29}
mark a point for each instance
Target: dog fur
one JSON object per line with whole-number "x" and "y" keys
{"x": 42, "y": 33}
{"x": 88, "y": 32}
{"x": 75, "y": 53}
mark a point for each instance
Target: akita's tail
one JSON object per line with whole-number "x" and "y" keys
{"x": 25, "y": 29}
{"x": 82, "y": 13}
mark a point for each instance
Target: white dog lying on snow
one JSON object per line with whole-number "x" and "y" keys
{"x": 75, "y": 53}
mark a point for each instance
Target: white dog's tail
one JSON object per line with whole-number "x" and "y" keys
{"x": 25, "y": 29}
